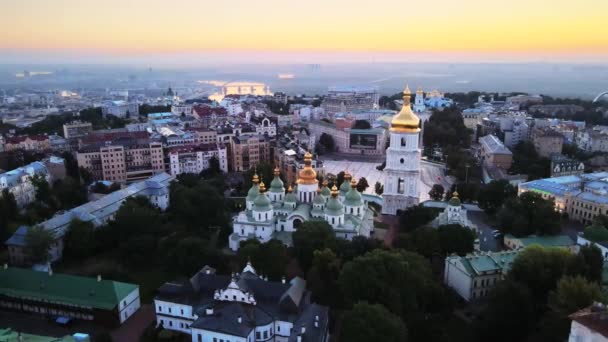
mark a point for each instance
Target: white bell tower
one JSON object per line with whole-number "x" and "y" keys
{"x": 419, "y": 106}
{"x": 402, "y": 171}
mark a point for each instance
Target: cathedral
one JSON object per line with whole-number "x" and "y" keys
{"x": 275, "y": 213}
{"x": 402, "y": 171}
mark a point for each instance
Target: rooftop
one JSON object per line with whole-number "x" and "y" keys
{"x": 63, "y": 288}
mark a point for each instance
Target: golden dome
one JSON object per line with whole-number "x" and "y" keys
{"x": 353, "y": 183}
{"x": 334, "y": 191}
{"x": 307, "y": 175}
{"x": 255, "y": 179}
{"x": 277, "y": 172}
{"x": 262, "y": 187}
{"x": 406, "y": 121}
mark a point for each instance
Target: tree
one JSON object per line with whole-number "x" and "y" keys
{"x": 529, "y": 214}
{"x": 596, "y": 233}
{"x": 436, "y": 192}
{"x": 103, "y": 336}
{"x": 322, "y": 278}
{"x": 69, "y": 193}
{"x": 492, "y": 195}
{"x": 415, "y": 216}
{"x": 378, "y": 188}
{"x": 43, "y": 189}
{"x": 527, "y": 161}
{"x": 540, "y": 269}
{"x": 423, "y": 240}
{"x": 187, "y": 255}
{"x": 446, "y": 128}
{"x": 399, "y": 280}
{"x": 269, "y": 258}
{"x": 594, "y": 262}
{"x": 371, "y": 322}
{"x": 38, "y": 242}
{"x": 311, "y": 236}
{"x": 327, "y": 141}
{"x": 510, "y": 314}
{"x": 455, "y": 238}
{"x": 362, "y": 184}
{"x": 79, "y": 239}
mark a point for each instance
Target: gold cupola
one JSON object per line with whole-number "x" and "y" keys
{"x": 307, "y": 175}
{"x": 406, "y": 121}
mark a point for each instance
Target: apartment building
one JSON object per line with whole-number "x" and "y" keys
{"x": 121, "y": 109}
{"x": 494, "y": 153}
{"x": 77, "y": 129}
{"x": 248, "y": 150}
{"x": 547, "y": 142}
{"x": 196, "y": 158}
{"x": 121, "y": 156}
{"x": 36, "y": 143}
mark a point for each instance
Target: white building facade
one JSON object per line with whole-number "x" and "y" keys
{"x": 194, "y": 159}
{"x": 19, "y": 182}
{"x": 402, "y": 172}
{"x": 276, "y": 213}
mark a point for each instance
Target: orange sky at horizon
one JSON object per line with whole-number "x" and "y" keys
{"x": 515, "y": 27}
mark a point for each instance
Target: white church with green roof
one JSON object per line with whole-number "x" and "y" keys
{"x": 275, "y": 213}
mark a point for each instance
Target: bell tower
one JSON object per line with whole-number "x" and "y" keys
{"x": 402, "y": 171}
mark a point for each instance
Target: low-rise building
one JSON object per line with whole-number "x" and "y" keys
{"x": 583, "y": 197}
{"x": 209, "y": 115}
{"x": 36, "y": 143}
{"x": 77, "y": 129}
{"x": 121, "y": 109}
{"x": 564, "y": 166}
{"x": 474, "y": 276}
{"x": 589, "y": 324}
{"x": 248, "y": 150}
{"x": 349, "y": 140}
{"x": 244, "y": 307}
{"x": 99, "y": 212}
{"x": 547, "y": 142}
{"x": 494, "y": 153}
{"x": 121, "y": 156}
{"x": 10, "y": 335}
{"x": 107, "y": 302}
{"x": 19, "y": 182}
{"x": 196, "y": 158}
{"x": 564, "y": 241}
{"x": 454, "y": 213}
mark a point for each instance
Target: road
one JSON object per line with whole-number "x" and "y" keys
{"x": 429, "y": 174}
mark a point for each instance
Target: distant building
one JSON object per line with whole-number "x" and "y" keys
{"x": 524, "y": 100}
{"x": 553, "y": 110}
{"x": 77, "y": 129}
{"x": 245, "y": 307}
{"x": 179, "y": 109}
{"x": 494, "y": 153}
{"x": 265, "y": 126}
{"x": 36, "y": 143}
{"x": 349, "y": 140}
{"x": 589, "y": 324}
{"x": 291, "y": 163}
{"x": 592, "y": 140}
{"x": 196, "y": 158}
{"x": 121, "y": 109}
{"x": 155, "y": 189}
{"x": 280, "y": 97}
{"x": 474, "y": 276}
{"x": 419, "y": 105}
{"x": 515, "y": 243}
{"x": 345, "y": 99}
{"x": 247, "y": 151}
{"x": 547, "y": 142}
{"x": 47, "y": 294}
{"x": 121, "y": 156}
{"x": 19, "y": 182}
{"x": 436, "y": 100}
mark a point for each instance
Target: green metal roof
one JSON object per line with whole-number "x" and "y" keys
{"x": 277, "y": 185}
{"x": 262, "y": 203}
{"x": 9, "y": 335}
{"x": 545, "y": 241}
{"x": 253, "y": 192}
{"x": 63, "y": 288}
{"x": 353, "y": 198}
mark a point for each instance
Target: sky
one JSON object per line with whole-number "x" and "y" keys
{"x": 305, "y": 30}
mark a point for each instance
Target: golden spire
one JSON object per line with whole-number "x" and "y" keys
{"x": 262, "y": 187}
{"x": 325, "y": 183}
{"x": 347, "y": 175}
{"x": 277, "y": 172}
{"x": 255, "y": 179}
{"x": 334, "y": 191}
{"x": 406, "y": 121}
{"x": 419, "y": 91}
{"x": 289, "y": 189}
{"x": 353, "y": 183}
{"x": 455, "y": 193}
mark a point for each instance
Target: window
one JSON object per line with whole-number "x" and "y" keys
{"x": 170, "y": 323}
{"x": 401, "y": 185}
{"x": 160, "y": 308}
{"x": 182, "y": 311}
{"x": 169, "y": 310}
{"x": 403, "y": 142}
{"x": 401, "y": 160}
{"x": 265, "y": 334}
{"x": 200, "y": 338}
{"x": 257, "y": 335}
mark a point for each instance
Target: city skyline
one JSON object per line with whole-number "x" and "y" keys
{"x": 384, "y": 30}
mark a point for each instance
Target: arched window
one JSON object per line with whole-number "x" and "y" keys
{"x": 400, "y": 185}
{"x": 403, "y": 142}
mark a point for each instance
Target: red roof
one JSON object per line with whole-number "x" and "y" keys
{"x": 21, "y": 138}
{"x": 204, "y": 110}
{"x": 109, "y": 136}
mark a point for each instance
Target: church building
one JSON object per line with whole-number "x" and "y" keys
{"x": 275, "y": 213}
{"x": 402, "y": 172}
